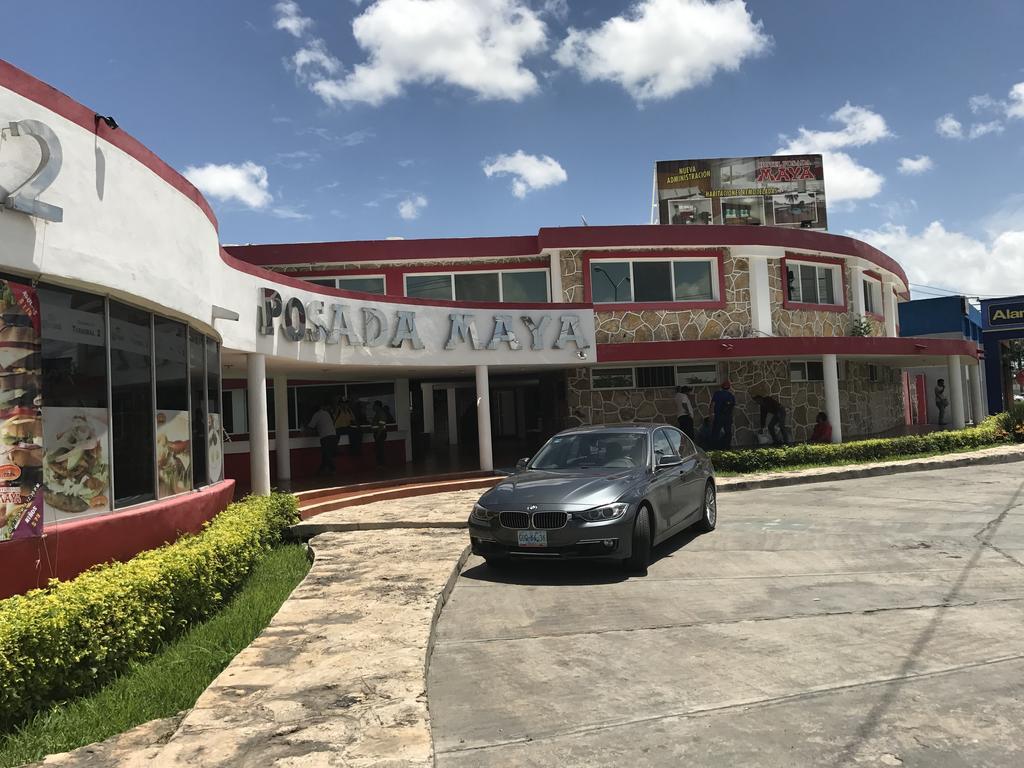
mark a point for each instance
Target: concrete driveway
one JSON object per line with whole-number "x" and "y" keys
{"x": 862, "y": 622}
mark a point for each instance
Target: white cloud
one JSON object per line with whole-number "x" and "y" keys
{"x": 313, "y": 61}
{"x": 913, "y": 166}
{"x": 558, "y": 9}
{"x": 845, "y": 178}
{"x": 300, "y": 158}
{"x": 406, "y": 163}
{"x": 659, "y": 48}
{"x": 983, "y": 129}
{"x": 529, "y": 172}
{"x": 982, "y": 103}
{"x": 285, "y": 212}
{"x": 949, "y": 127}
{"x": 477, "y": 45}
{"x": 411, "y": 207}
{"x": 247, "y": 183}
{"x": 954, "y": 260}
{"x": 1015, "y": 106}
{"x": 290, "y": 18}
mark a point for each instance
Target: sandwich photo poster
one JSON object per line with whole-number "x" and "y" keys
{"x": 21, "y": 447}
{"x": 173, "y": 452}
{"x": 215, "y": 449}
{"x": 76, "y": 465}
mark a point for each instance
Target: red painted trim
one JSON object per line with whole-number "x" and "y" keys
{"x": 787, "y": 304}
{"x": 872, "y": 274}
{"x": 47, "y": 96}
{"x": 782, "y": 347}
{"x": 277, "y": 279}
{"x": 69, "y": 548}
{"x": 717, "y": 255}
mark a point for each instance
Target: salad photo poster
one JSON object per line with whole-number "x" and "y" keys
{"x": 173, "y": 452}
{"x": 21, "y": 438}
{"x": 76, "y": 467}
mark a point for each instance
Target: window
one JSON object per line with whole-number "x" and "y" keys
{"x": 872, "y": 296}
{"x": 662, "y": 446}
{"x": 197, "y": 387}
{"x": 528, "y": 285}
{"x": 652, "y": 280}
{"x": 873, "y": 373}
{"x": 173, "y": 433}
{"x": 697, "y": 374}
{"x": 131, "y": 404}
{"x": 812, "y": 283}
{"x": 645, "y": 377}
{"x": 363, "y": 283}
{"x": 811, "y": 370}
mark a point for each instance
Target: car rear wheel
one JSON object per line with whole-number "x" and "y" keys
{"x": 709, "y": 518}
{"x": 640, "y": 551}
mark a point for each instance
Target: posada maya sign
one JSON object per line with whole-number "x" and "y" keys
{"x": 367, "y": 326}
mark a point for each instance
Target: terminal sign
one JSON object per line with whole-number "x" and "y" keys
{"x": 367, "y": 326}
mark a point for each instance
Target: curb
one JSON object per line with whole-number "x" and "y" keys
{"x": 306, "y": 531}
{"x": 442, "y": 601}
{"x": 725, "y": 485}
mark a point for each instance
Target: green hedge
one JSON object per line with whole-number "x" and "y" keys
{"x": 74, "y": 636}
{"x": 992, "y": 431}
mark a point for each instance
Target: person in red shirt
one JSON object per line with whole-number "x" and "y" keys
{"x": 822, "y": 429}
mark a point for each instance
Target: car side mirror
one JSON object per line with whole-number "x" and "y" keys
{"x": 669, "y": 461}
{"x": 521, "y": 464}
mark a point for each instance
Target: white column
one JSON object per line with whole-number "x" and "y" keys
{"x": 282, "y": 442}
{"x": 830, "y": 367}
{"x": 955, "y": 387}
{"x": 556, "y": 277}
{"x": 978, "y": 409}
{"x": 259, "y": 438}
{"x": 402, "y": 417}
{"x": 483, "y": 417}
{"x": 760, "y": 296}
{"x": 427, "y": 390}
{"x": 891, "y": 309}
{"x": 857, "y": 289}
{"x": 453, "y": 419}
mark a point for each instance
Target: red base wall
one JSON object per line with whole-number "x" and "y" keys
{"x": 305, "y": 462}
{"x": 65, "y": 550}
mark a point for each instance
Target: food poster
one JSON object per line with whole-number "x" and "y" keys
{"x": 76, "y": 465}
{"x": 173, "y": 452}
{"x": 21, "y": 438}
{"x": 215, "y": 449}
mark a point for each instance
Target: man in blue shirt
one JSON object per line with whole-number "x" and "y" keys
{"x": 723, "y": 403}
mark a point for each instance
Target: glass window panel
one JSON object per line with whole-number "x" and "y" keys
{"x": 328, "y": 281}
{"x": 74, "y": 355}
{"x": 524, "y": 286}
{"x": 309, "y": 399}
{"x": 697, "y": 374}
{"x": 173, "y": 430}
{"x": 815, "y": 372}
{"x": 808, "y": 284}
{"x": 364, "y": 284}
{"x": 428, "y": 286}
{"x": 797, "y": 372}
{"x": 611, "y": 378}
{"x": 662, "y": 446}
{"x": 660, "y": 376}
{"x": 230, "y": 415}
{"x": 132, "y": 416}
{"x": 363, "y": 396}
{"x": 214, "y": 423}
{"x": 693, "y": 281}
{"x": 476, "y": 287}
{"x": 826, "y": 287}
{"x": 652, "y": 281}
{"x": 197, "y": 387}
{"x": 609, "y": 281}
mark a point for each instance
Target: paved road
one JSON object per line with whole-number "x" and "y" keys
{"x": 862, "y": 622}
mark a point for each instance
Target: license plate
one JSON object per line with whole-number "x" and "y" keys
{"x": 533, "y": 538}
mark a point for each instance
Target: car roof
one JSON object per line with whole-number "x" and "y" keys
{"x": 614, "y": 428}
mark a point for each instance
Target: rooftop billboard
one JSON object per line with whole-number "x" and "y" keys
{"x": 777, "y": 190}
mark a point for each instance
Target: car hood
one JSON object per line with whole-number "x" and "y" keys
{"x": 569, "y": 489}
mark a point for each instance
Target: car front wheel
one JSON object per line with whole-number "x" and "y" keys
{"x": 640, "y": 552}
{"x": 709, "y": 519}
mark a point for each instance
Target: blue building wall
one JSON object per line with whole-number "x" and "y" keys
{"x": 941, "y": 315}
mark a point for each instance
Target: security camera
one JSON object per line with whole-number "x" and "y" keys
{"x": 582, "y": 354}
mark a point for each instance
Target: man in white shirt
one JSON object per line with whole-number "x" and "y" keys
{"x": 322, "y": 424}
{"x": 685, "y": 410}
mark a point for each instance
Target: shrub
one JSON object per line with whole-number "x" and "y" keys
{"x": 992, "y": 431}
{"x": 1013, "y": 422}
{"x": 71, "y": 637}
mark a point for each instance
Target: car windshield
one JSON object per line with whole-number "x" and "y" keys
{"x": 614, "y": 450}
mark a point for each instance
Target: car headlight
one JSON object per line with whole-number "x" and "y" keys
{"x": 482, "y": 514}
{"x": 606, "y": 512}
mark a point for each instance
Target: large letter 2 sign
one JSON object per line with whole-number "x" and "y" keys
{"x": 25, "y": 198}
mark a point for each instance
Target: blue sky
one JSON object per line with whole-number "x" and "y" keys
{"x": 386, "y": 122}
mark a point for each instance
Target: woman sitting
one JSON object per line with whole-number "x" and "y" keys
{"x": 822, "y": 429}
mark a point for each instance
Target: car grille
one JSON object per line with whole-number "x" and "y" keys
{"x": 548, "y": 520}
{"x": 514, "y": 519}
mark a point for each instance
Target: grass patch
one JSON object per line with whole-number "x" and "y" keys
{"x": 172, "y": 679}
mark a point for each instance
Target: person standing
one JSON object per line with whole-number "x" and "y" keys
{"x": 684, "y": 409}
{"x": 322, "y": 425}
{"x": 723, "y": 403}
{"x": 343, "y": 418}
{"x": 941, "y": 401}
{"x": 381, "y": 417}
{"x": 773, "y": 415}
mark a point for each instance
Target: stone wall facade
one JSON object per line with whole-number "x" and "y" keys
{"x": 868, "y": 407}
